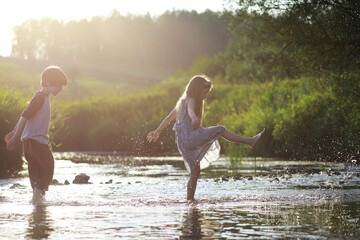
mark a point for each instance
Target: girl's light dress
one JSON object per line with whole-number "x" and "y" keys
{"x": 200, "y": 145}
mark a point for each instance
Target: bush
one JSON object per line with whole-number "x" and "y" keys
{"x": 11, "y": 106}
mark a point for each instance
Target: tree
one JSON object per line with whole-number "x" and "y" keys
{"x": 324, "y": 35}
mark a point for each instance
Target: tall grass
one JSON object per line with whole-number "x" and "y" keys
{"x": 11, "y": 105}
{"x": 305, "y": 118}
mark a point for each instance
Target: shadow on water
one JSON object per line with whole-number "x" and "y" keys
{"x": 197, "y": 225}
{"x": 40, "y": 223}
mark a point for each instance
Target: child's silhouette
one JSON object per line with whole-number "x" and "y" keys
{"x": 33, "y": 127}
{"x": 199, "y": 146}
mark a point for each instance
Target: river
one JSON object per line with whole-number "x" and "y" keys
{"x": 144, "y": 198}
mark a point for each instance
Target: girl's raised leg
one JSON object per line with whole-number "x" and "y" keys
{"x": 191, "y": 186}
{"x": 233, "y": 137}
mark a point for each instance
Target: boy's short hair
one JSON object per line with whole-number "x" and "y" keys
{"x": 53, "y": 76}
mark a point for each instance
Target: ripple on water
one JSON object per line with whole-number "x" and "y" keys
{"x": 275, "y": 200}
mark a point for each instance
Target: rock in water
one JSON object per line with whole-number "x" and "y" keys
{"x": 17, "y": 185}
{"x": 54, "y": 182}
{"x": 81, "y": 179}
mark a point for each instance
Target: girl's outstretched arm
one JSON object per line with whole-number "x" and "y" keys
{"x": 154, "y": 135}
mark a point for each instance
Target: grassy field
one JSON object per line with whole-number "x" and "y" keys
{"x": 87, "y": 85}
{"x": 85, "y": 80}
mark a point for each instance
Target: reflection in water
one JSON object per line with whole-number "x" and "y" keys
{"x": 197, "y": 225}
{"x": 325, "y": 220}
{"x": 191, "y": 228}
{"x": 39, "y": 223}
{"x": 137, "y": 205}
{"x": 330, "y": 219}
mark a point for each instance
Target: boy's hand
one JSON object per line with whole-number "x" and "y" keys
{"x": 195, "y": 122}
{"x": 10, "y": 141}
{"x": 153, "y": 136}
{"x": 9, "y": 135}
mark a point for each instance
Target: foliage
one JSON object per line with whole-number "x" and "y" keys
{"x": 116, "y": 123}
{"x": 12, "y": 104}
{"x": 292, "y": 70}
{"x": 317, "y": 36}
{"x": 171, "y": 40}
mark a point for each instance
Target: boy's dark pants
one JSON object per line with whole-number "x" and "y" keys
{"x": 40, "y": 164}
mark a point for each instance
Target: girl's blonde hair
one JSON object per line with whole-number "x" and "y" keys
{"x": 193, "y": 90}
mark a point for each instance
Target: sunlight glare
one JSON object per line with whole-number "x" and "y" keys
{"x": 16, "y": 12}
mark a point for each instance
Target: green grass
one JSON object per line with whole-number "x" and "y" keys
{"x": 84, "y": 80}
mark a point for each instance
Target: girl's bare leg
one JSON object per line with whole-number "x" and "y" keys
{"x": 233, "y": 137}
{"x": 191, "y": 186}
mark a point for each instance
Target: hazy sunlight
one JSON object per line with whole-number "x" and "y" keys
{"x": 16, "y": 12}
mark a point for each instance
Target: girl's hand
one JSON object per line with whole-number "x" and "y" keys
{"x": 153, "y": 136}
{"x": 195, "y": 122}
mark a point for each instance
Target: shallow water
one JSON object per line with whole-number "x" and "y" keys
{"x": 251, "y": 199}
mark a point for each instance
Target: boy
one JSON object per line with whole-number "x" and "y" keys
{"x": 33, "y": 127}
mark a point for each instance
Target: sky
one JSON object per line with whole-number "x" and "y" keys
{"x": 15, "y": 12}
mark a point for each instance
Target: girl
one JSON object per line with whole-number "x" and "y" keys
{"x": 198, "y": 146}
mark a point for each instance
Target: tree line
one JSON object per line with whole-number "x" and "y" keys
{"x": 171, "y": 40}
